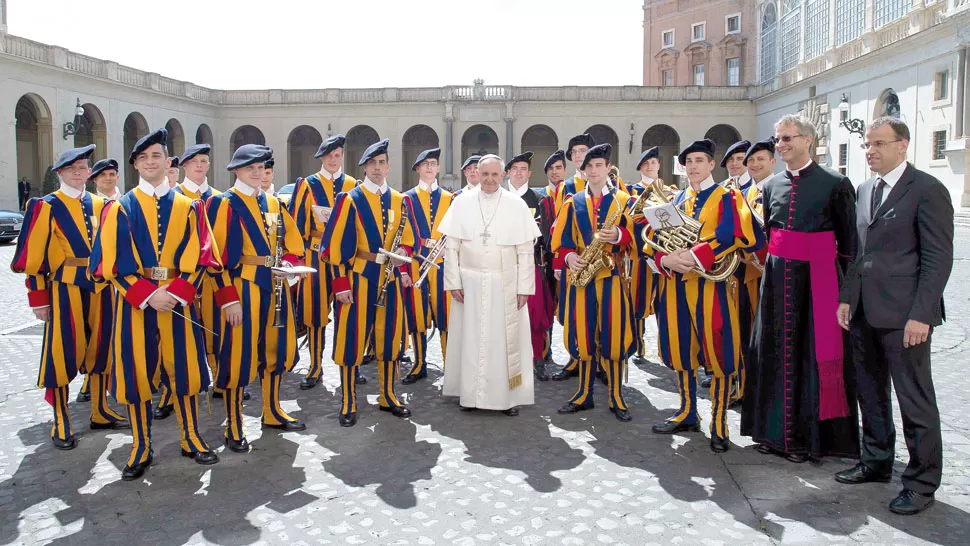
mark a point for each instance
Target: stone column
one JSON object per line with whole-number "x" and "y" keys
{"x": 448, "y": 178}
{"x": 509, "y": 128}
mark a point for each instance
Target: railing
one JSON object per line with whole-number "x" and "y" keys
{"x": 28, "y": 49}
{"x": 131, "y": 76}
{"x": 172, "y": 87}
{"x": 892, "y": 33}
{"x": 84, "y": 64}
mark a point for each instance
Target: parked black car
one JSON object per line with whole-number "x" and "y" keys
{"x": 10, "y": 224}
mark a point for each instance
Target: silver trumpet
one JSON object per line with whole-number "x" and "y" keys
{"x": 429, "y": 263}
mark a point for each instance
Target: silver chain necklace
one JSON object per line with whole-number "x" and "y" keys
{"x": 481, "y": 210}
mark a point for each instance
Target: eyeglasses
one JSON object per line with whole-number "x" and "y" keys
{"x": 785, "y": 138}
{"x": 879, "y": 144}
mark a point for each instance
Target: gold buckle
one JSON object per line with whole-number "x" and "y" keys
{"x": 159, "y": 273}
{"x": 270, "y": 261}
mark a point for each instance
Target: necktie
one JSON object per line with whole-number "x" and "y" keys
{"x": 877, "y": 193}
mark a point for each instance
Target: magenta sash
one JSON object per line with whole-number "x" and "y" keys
{"x": 819, "y": 250}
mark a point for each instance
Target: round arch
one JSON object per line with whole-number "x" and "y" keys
{"x": 416, "y": 139}
{"x": 93, "y": 130}
{"x": 203, "y": 135}
{"x": 887, "y": 105}
{"x": 667, "y": 139}
{"x": 604, "y": 133}
{"x": 176, "y": 138}
{"x": 478, "y": 140}
{"x": 135, "y": 127}
{"x": 244, "y": 134}
{"x": 543, "y": 142}
{"x": 723, "y": 136}
{"x": 359, "y": 137}
{"x": 34, "y": 142}
{"x": 301, "y": 144}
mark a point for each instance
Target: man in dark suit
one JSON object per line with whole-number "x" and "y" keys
{"x": 23, "y": 192}
{"x": 891, "y": 301}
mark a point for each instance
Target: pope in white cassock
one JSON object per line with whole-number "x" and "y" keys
{"x": 490, "y": 272}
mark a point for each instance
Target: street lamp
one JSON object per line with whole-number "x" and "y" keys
{"x": 853, "y": 126}
{"x": 633, "y": 131}
{"x": 73, "y": 127}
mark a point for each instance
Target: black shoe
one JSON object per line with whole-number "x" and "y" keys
{"x": 288, "y": 426}
{"x": 217, "y": 394}
{"x": 673, "y": 427}
{"x": 246, "y": 395}
{"x": 112, "y": 425}
{"x": 308, "y": 383}
{"x": 511, "y": 412}
{"x": 539, "y": 367}
{"x": 163, "y": 412}
{"x": 719, "y": 445}
{"x": 575, "y": 408}
{"x": 83, "y": 396}
{"x": 397, "y": 411}
{"x": 132, "y": 473}
{"x": 564, "y": 374}
{"x": 466, "y": 408}
{"x": 404, "y": 358}
{"x": 370, "y": 358}
{"x": 764, "y": 449}
{"x": 347, "y": 419}
{"x": 861, "y": 473}
{"x": 706, "y": 381}
{"x": 360, "y": 379}
{"x": 238, "y": 446}
{"x": 640, "y": 359}
{"x": 621, "y": 414}
{"x": 412, "y": 378}
{"x": 797, "y": 458}
{"x": 605, "y": 379}
{"x": 65, "y": 445}
{"x": 909, "y": 502}
{"x": 202, "y": 457}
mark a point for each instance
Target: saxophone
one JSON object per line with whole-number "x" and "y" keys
{"x": 388, "y": 262}
{"x": 596, "y": 255}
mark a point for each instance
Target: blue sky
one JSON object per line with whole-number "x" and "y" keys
{"x": 249, "y": 44}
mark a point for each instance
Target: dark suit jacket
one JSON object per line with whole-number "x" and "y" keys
{"x": 905, "y": 253}
{"x": 24, "y": 187}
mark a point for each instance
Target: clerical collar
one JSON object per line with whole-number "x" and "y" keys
{"x": 519, "y": 191}
{"x": 244, "y": 188}
{"x": 893, "y": 176}
{"x": 196, "y": 188}
{"x": 71, "y": 192}
{"x": 374, "y": 188}
{"x": 646, "y": 180}
{"x": 330, "y": 176}
{"x": 270, "y": 191}
{"x": 796, "y": 172}
{"x": 428, "y": 187}
{"x": 156, "y": 192}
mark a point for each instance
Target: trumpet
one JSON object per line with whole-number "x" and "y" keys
{"x": 429, "y": 263}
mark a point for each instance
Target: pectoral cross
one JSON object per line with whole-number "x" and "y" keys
{"x": 485, "y": 236}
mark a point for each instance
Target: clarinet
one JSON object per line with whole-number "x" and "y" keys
{"x": 389, "y": 264}
{"x": 278, "y": 321}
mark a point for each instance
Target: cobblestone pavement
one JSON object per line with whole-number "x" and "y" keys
{"x": 450, "y": 478}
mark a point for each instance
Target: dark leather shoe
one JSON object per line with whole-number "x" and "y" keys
{"x": 83, "y": 397}
{"x": 131, "y": 473}
{"x": 861, "y": 473}
{"x": 348, "y": 419}
{"x": 112, "y": 425}
{"x": 706, "y": 381}
{"x": 163, "y": 412}
{"x": 288, "y": 426}
{"x": 797, "y": 458}
{"x": 621, "y": 414}
{"x": 202, "y": 457}
{"x": 238, "y": 446}
{"x": 404, "y": 358}
{"x": 909, "y": 502}
{"x": 308, "y": 383}
{"x": 764, "y": 449}
{"x": 604, "y": 379}
{"x": 539, "y": 368}
{"x": 410, "y": 379}
{"x": 217, "y": 395}
{"x": 246, "y": 395}
{"x": 397, "y": 411}
{"x": 370, "y": 358}
{"x": 511, "y": 412}
{"x": 65, "y": 445}
{"x": 673, "y": 427}
{"x": 360, "y": 379}
{"x": 466, "y": 408}
{"x": 719, "y": 445}
{"x": 564, "y": 374}
{"x": 575, "y": 408}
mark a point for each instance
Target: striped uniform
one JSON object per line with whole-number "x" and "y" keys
{"x": 550, "y": 192}
{"x": 598, "y": 317}
{"x": 643, "y": 283}
{"x": 315, "y": 291}
{"x": 146, "y": 242}
{"x": 698, "y": 319}
{"x": 53, "y": 251}
{"x": 750, "y": 286}
{"x": 363, "y": 223}
{"x": 244, "y": 228}
{"x": 429, "y": 304}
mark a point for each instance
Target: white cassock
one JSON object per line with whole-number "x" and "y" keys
{"x": 489, "y": 360}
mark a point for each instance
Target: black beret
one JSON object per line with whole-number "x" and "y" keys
{"x": 584, "y": 139}
{"x": 472, "y": 160}
{"x": 736, "y": 148}
{"x": 523, "y": 157}
{"x": 269, "y": 163}
{"x": 331, "y": 144}
{"x": 558, "y": 155}
{"x": 600, "y": 151}
{"x": 194, "y": 150}
{"x": 374, "y": 150}
{"x": 70, "y": 156}
{"x": 159, "y": 136}
{"x": 766, "y": 144}
{"x": 706, "y": 146}
{"x": 175, "y": 162}
{"x": 649, "y": 153}
{"x": 433, "y": 153}
{"x": 247, "y": 154}
{"x": 103, "y": 165}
